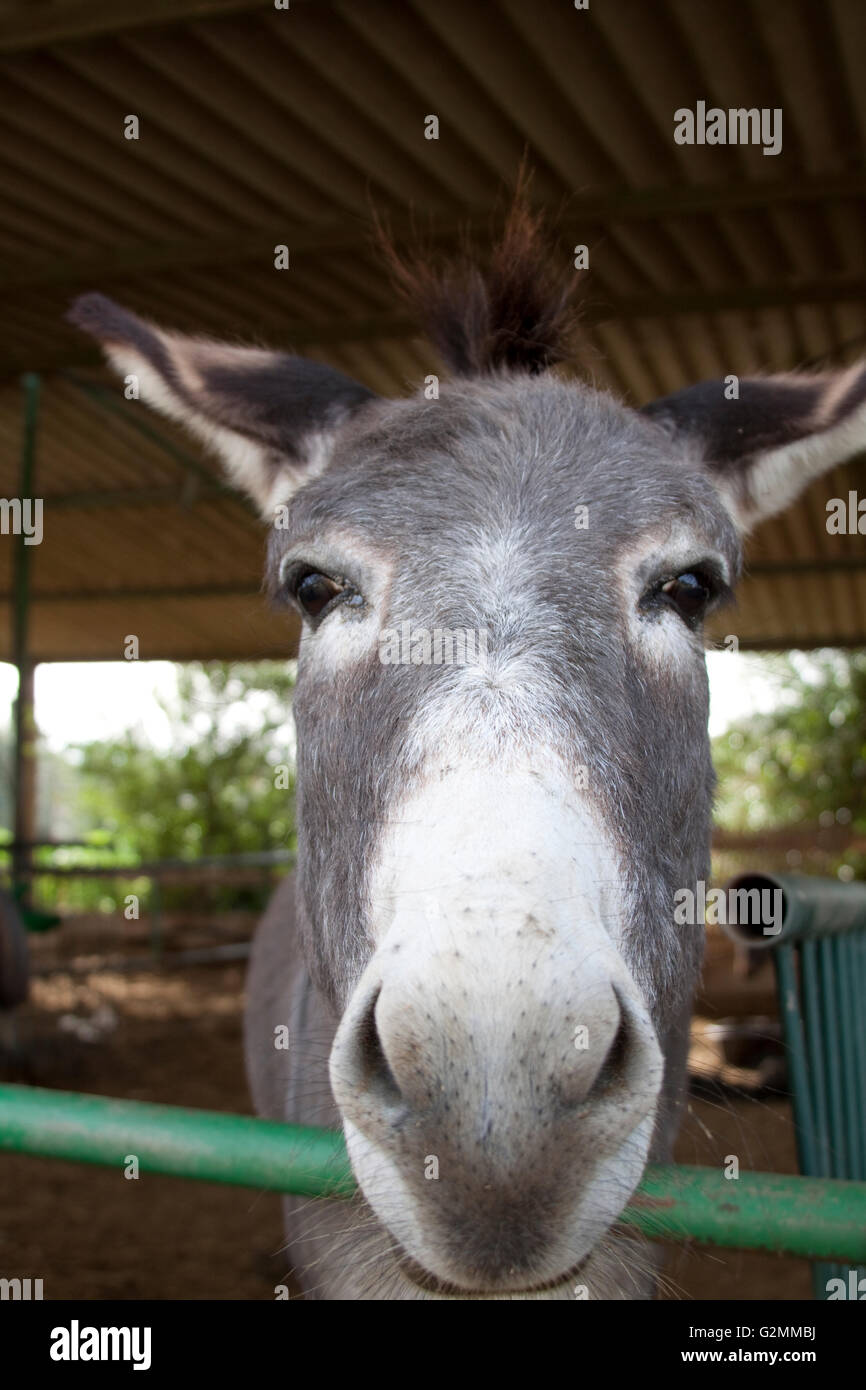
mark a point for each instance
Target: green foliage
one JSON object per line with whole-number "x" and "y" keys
{"x": 805, "y": 762}
{"x": 214, "y": 791}
{"x": 223, "y": 785}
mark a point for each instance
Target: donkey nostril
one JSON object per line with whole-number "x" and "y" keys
{"x": 612, "y": 1070}
{"x": 376, "y": 1074}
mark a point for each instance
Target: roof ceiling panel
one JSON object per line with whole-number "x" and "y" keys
{"x": 262, "y": 127}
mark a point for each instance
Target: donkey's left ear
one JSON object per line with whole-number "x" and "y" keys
{"x": 765, "y": 444}
{"x": 270, "y": 416}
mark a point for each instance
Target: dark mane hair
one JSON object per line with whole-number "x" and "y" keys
{"x": 516, "y": 311}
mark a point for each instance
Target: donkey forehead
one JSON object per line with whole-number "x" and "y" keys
{"x": 494, "y": 470}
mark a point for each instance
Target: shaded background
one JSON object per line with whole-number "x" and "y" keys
{"x": 259, "y": 128}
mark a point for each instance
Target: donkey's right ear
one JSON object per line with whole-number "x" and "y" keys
{"x": 270, "y": 416}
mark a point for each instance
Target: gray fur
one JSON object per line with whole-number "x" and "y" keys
{"x": 512, "y": 457}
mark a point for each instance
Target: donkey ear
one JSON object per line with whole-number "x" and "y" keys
{"x": 270, "y": 416}
{"x": 765, "y": 445}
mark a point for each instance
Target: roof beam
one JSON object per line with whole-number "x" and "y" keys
{"x": 36, "y": 26}
{"x": 200, "y": 475}
{"x": 125, "y": 595}
{"x": 797, "y": 643}
{"x": 817, "y": 565}
{"x": 624, "y": 205}
{"x": 138, "y": 497}
{"x": 738, "y": 296}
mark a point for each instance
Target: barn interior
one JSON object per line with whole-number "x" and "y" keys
{"x": 162, "y": 153}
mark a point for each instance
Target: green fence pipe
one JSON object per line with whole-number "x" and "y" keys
{"x": 814, "y": 1218}
{"x": 811, "y": 906}
{"x": 204, "y": 1144}
{"x": 859, "y": 987}
{"x": 832, "y": 1057}
{"x": 808, "y": 1154}
{"x": 809, "y": 1217}
{"x": 24, "y": 751}
{"x": 817, "y": 1081}
{"x": 848, "y": 1024}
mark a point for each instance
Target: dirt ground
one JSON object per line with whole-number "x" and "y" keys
{"x": 174, "y": 1036}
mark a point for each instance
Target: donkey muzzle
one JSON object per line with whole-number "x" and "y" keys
{"x": 498, "y": 1090}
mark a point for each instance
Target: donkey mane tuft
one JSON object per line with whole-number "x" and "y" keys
{"x": 516, "y": 311}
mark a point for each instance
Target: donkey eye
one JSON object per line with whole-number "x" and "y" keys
{"x": 689, "y": 594}
{"x": 313, "y": 592}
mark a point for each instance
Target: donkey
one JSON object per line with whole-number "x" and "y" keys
{"x": 478, "y": 960}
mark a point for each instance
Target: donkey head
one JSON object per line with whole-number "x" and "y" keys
{"x": 504, "y": 773}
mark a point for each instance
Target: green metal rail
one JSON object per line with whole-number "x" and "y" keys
{"x": 812, "y": 1218}
{"x": 203, "y": 1144}
{"x": 819, "y": 953}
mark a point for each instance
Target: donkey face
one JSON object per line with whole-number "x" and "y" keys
{"x": 493, "y": 822}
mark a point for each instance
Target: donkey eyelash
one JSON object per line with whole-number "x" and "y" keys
{"x": 708, "y": 571}
{"x": 719, "y": 590}
{"x": 294, "y": 577}
{"x": 708, "y": 576}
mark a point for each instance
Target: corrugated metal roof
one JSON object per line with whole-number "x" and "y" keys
{"x": 261, "y": 126}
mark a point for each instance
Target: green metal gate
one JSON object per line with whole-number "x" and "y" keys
{"x": 818, "y": 948}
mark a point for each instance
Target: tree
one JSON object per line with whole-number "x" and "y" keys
{"x": 225, "y": 786}
{"x": 805, "y": 762}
